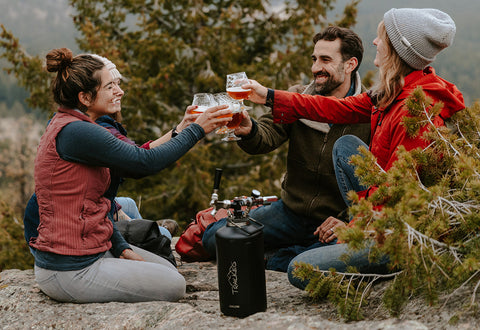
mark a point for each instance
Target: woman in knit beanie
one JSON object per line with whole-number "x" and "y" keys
{"x": 413, "y": 38}
{"x": 407, "y": 41}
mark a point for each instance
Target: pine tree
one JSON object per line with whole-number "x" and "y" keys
{"x": 168, "y": 51}
{"x": 14, "y": 253}
{"x": 429, "y": 222}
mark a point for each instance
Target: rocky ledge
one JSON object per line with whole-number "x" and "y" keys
{"x": 24, "y": 306}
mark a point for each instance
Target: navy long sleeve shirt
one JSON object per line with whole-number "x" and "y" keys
{"x": 90, "y": 144}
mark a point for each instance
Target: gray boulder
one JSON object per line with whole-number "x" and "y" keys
{"x": 24, "y": 306}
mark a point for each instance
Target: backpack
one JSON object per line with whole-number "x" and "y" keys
{"x": 189, "y": 245}
{"x": 146, "y": 235}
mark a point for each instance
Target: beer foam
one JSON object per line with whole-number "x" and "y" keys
{"x": 237, "y": 89}
{"x": 201, "y": 108}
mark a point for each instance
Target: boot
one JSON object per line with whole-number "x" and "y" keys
{"x": 171, "y": 225}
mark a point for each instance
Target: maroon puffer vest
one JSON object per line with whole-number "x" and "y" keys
{"x": 73, "y": 211}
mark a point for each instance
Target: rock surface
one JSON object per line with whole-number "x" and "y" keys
{"x": 24, "y": 306}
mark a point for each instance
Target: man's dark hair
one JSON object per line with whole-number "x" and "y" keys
{"x": 351, "y": 44}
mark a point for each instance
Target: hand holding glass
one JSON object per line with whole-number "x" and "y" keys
{"x": 203, "y": 101}
{"x": 235, "y": 90}
{"x": 224, "y": 98}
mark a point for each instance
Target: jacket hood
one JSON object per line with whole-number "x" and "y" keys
{"x": 107, "y": 121}
{"x": 437, "y": 88}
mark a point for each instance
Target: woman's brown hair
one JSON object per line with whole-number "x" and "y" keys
{"x": 74, "y": 75}
{"x": 391, "y": 73}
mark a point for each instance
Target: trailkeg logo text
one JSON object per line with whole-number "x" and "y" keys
{"x": 232, "y": 277}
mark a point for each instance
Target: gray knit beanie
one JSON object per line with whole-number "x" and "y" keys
{"x": 418, "y": 35}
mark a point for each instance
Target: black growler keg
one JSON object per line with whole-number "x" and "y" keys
{"x": 241, "y": 268}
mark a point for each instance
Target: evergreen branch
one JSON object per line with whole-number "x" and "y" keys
{"x": 474, "y": 293}
{"x": 381, "y": 169}
{"x": 364, "y": 292}
{"x": 471, "y": 238}
{"x": 440, "y": 268}
{"x": 465, "y": 139}
{"x": 375, "y": 215}
{"x": 438, "y": 247}
{"x": 423, "y": 259}
{"x": 348, "y": 288}
{"x": 459, "y": 207}
{"x": 341, "y": 280}
{"x": 429, "y": 119}
{"x": 372, "y": 232}
{"x": 437, "y": 204}
{"x": 460, "y": 287}
{"x": 356, "y": 293}
{"x": 351, "y": 278}
{"x": 367, "y": 288}
{"x": 429, "y": 146}
{"x": 358, "y": 275}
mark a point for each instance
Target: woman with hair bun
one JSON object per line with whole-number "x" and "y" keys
{"x": 79, "y": 254}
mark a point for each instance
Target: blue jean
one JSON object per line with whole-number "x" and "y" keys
{"x": 330, "y": 257}
{"x": 130, "y": 208}
{"x": 286, "y": 234}
{"x": 345, "y": 147}
{"x": 114, "y": 279}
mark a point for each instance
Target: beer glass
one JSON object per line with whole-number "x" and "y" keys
{"x": 203, "y": 101}
{"x": 224, "y": 98}
{"x": 235, "y": 90}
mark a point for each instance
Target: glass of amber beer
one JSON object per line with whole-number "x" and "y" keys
{"x": 203, "y": 101}
{"x": 235, "y": 90}
{"x": 224, "y": 98}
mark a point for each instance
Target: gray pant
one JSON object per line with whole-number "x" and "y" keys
{"x": 115, "y": 279}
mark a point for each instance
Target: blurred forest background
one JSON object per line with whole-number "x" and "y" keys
{"x": 168, "y": 54}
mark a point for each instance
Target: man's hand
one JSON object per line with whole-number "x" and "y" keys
{"x": 245, "y": 126}
{"x": 326, "y": 231}
{"x": 129, "y": 254}
{"x": 259, "y": 92}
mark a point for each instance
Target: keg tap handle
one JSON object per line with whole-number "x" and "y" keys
{"x": 216, "y": 186}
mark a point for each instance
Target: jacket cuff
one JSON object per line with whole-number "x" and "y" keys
{"x": 146, "y": 145}
{"x": 270, "y": 98}
{"x": 119, "y": 244}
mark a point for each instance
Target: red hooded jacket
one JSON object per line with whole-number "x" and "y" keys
{"x": 387, "y": 132}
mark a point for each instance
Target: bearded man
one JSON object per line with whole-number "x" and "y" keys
{"x": 310, "y": 193}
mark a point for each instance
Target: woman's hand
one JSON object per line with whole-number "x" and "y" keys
{"x": 214, "y": 118}
{"x": 129, "y": 254}
{"x": 188, "y": 118}
{"x": 259, "y": 92}
{"x": 326, "y": 231}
